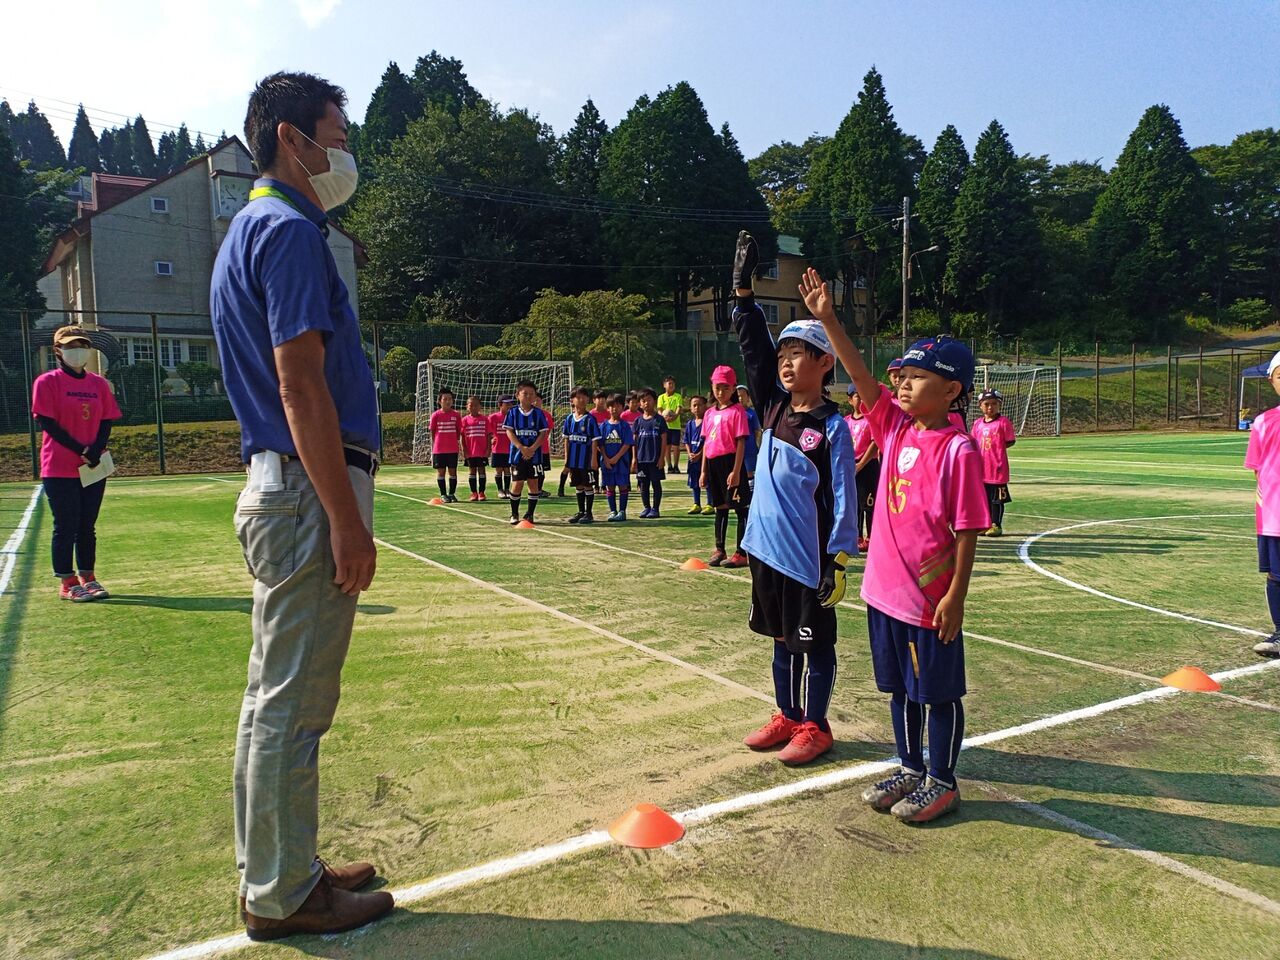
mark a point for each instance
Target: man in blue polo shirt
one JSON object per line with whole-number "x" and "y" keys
{"x": 294, "y": 370}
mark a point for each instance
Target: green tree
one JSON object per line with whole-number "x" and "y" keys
{"x": 1154, "y": 238}
{"x": 144, "y": 150}
{"x": 34, "y": 140}
{"x": 20, "y": 253}
{"x": 400, "y": 369}
{"x": 395, "y": 102}
{"x": 440, "y": 81}
{"x": 782, "y": 174}
{"x": 993, "y": 235}
{"x": 578, "y": 174}
{"x": 200, "y": 377}
{"x": 183, "y": 152}
{"x": 164, "y": 154}
{"x": 122, "y": 152}
{"x": 107, "y": 151}
{"x": 860, "y": 177}
{"x": 939, "y": 186}
{"x": 200, "y": 148}
{"x": 83, "y": 150}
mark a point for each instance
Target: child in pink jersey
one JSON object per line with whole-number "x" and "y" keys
{"x": 929, "y": 510}
{"x": 724, "y": 448}
{"x": 446, "y": 432}
{"x": 501, "y": 457}
{"x": 994, "y": 436}
{"x": 1263, "y": 458}
{"x": 867, "y": 455}
{"x": 477, "y": 436}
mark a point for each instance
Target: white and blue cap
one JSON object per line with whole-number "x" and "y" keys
{"x": 1275, "y": 362}
{"x": 811, "y": 332}
{"x": 944, "y": 356}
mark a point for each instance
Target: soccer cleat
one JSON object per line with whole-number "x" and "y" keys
{"x": 739, "y": 559}
{"x": 709, "y": 509}
{"x": 883, "y": 795}
{"x": 503, "y": 495}
{"x": 514, "y": 521}
{"x": 1269, "y": 647}
{"x": 613, "y": 517}
{"x": 926, "y": 802}
{"x": 716, "y": 558}
{"x": 653, "y": 514}
{"x": 994, "y": 530}
{"x": 808, "y": 743}
{"x": 675, "y": 469}
{"x": 644, "y": 514}
{"x": 779, "y": 729}
{"x": 695, "y": 510}
{"x": 576, "y": 518}
{"x": 480, "y": 497}
{"x": 96, "y": 590}
{"x": 76, "y": 593}
{"x": 587, "y": 518}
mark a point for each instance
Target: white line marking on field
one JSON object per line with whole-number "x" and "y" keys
{"x": 10, "y": 551}
{"x": 584, "y": 624}
{"x": 1119, "y": 843}
{"x": 496, "y": 869}
{"x": 1024, "y": 554}
{"x": 1199, "y": 533}
{"x": 1234, "y": 471}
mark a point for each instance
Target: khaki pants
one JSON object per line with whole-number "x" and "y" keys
{"x": 301, "y": 630}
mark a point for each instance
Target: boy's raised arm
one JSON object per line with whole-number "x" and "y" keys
{"x": 817, "y": 297}
{"x": 759, "y": 352}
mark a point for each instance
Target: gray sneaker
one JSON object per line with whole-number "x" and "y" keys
{"x": 883, "y": 795}
{"x": 1269, "y": 647}
{"x": 927, "y": 802}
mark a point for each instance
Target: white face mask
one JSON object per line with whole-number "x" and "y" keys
{"x": 76, "y": 357}
{"x": 336, "y": 185}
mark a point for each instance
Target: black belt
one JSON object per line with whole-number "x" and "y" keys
{"x": 361, "y": 460}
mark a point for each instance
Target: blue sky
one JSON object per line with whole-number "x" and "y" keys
{"x": 1069, "y": 79}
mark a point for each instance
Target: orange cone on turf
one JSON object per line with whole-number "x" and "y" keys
{"x": 436, "y": 501}
{"x": 1193, "y": 679}
{"x": 693, "y": 563}
{"x": 524, "y": 525}
{"x": 646, "y": 826}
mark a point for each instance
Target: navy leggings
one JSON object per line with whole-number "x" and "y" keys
{"x": 75, "y": 513}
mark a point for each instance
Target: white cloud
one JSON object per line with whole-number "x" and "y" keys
{"x": 315, "y": 12}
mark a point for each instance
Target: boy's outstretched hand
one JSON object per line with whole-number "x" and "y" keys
{"x": 817, "y": 295}
{"x": 745, "y": 260}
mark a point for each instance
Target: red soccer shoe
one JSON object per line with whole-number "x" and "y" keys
{"x": 807, "y": 744}
{"x": 778, "y": 730}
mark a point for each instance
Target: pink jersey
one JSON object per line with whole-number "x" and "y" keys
{"x": 630, "y": 416}
{"x": 600, "y": 416}
{"x": 78, "y": 405}
{"x": 860, "y": 432}
{"x": 956, "y": 419}
{"x": 721, "y": 428}
{"x": 475, "y": 435}
{"x": 446, "y": 427}
{"x": 993, "y": 438}
{"x": 501, "y": 442}
{"x": 1262, "y": 457}
{"x": 930, "y": 486}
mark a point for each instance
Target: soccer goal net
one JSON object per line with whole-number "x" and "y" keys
{"x": 1032, "y": 396}
{"x": 489, "y": 380}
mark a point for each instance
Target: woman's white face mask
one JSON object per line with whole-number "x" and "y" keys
{"x": 76, "y": 357}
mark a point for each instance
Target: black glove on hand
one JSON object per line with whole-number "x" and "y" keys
{"x": 745, "y": 261}
{"x": 831, "y": 586}
{"x": 93, "y": 455}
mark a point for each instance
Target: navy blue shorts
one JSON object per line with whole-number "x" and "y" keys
{"x": 500, "y": 460}
{"x": 619, "y": 475}
{"x": 1269, "y": 555}
{"x": 912, "y": 660}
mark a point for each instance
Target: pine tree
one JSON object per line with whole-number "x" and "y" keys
{"x": 83, "y": 149}
{"x": 19, "y": 244}
{"x": 144, "y": 151}
{"x": 939, "y": 187}
{"x": 6, "y": 119}
{"x": 164, "y": 154}
{"x": 34, "y": 140}
{"x": 441, "y": 81}
{"x": 580, "y": 152}
{"x": 200, "y": 148}
{"x": 107, "y": 151}
{"x": 126, "y": 164}
{"x": 183, "y": 152}
{"x": 394, "y": 103}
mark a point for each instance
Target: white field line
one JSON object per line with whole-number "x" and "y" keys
{"x": 1235, "y": 471}
{"x": 496, "y": 869}
{"x": 1119, "y": 843}
{"x": 10, "y": 550}
{"x": 584, "y": 624}
{"x": 1085, "y": 480}
{"x": 849, "y": 604}
{"x": 1024, "y": 553}
{"x": 1199, "y": 533}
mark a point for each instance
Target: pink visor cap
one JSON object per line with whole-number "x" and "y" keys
{"x": 724, "y": 374}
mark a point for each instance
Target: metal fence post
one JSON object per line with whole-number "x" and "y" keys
{"x": 155, "y": 370}
{"x": 1199, "y": 386}
{"x": 29, "y": 379}
{"x": 377, "y": 380}
{"x": 1168, "y": 384}
{"x": 551, "y": 350}
{"x": 697, "y": 356}
{"x": 1097, "y": 386}
{"x": 1133, "y": 388}
{"x": 626, "y": 361}
{"x": 1017, "y": 378}
{"x": 466, "y": 340}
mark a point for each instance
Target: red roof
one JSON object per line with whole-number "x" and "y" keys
{"x": 110, "y": 189}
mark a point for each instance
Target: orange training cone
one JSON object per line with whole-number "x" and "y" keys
{"x": 693, "y": 563}
{"x": 436, "y": 501}
{"x": 1193, "y": 679}
{"x": 646, "y": 826}
{"x": 524, "y": 525}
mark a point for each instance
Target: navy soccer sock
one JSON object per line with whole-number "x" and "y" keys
{"x": 622, "y": 501}
{"x": 908, "y": 728}
{"x": 788, "y": 681}
{"x": 1273, "y": 600}
{"x": 997, "y": 514}
{"x": 591, "y": 502}
{"x": 582, "y": 502}
{"x": 613, "y": 501}
{"x": 453, "y": 484}
{"x": 533, "y": 505}
{"x": 444, "y": 490}
{"x": 742, "y": 526}
{"x": 722, "y": 527}
{"x": 946, "y": 731}
{"x": 819, "y": 685}
{"x": 471, "y": 482}
{"x": 657, "y": 491}
{"x": 697, "y": 496}
{"x": 515, "y": 506}
{"x": 484, "y": 477}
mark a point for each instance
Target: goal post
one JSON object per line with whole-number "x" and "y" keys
{"x": 489, "y": 380}
{"x": 1032, "y": 396}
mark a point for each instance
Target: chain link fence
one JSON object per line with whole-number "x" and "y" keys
{"x": 177, "y": 419}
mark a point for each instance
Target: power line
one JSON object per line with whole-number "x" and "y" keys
{"x": 100, "y": 112}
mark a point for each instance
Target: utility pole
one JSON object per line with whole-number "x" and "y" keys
{"x": 906, "y": 268}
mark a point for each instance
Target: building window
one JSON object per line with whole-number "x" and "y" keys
{"x": 770, "y": 313}
{"x": 164, "y": 268}
{"x": 159, "y": 204}
{"x": 198, "y": 352}
{"x": 170, "y": 353}
{"x": 140, "y": 351}
{"x": 793, "y": 311}
{"x": 769, "y": 271}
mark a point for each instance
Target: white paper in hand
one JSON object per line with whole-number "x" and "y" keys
{"x": 91, "y": 475}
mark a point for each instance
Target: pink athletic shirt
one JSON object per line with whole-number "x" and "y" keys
{"x": 501, "y": 442}
{"x": 860, "y": 434}
{"x": 600, "y": 416}
{"x": 445, "y": 430}
{"x": 475, "y": 435}
{"x": 630, "y": 416}
{"x": 930, "y": 486}
{"x": 993, "y": 441}
{"x": 79, "y": 405}
{"x": 721, "y": 429}
{"x": 1262, "y": 456}
{"x": 956, "y": 420}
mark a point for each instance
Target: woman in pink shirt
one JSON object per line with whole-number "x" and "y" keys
{"x": 724, "y": 446}
{"x": 1263, "y": 458}
{"x": 868, "y": 466}
{"x": 75, "y": 408}
{"x": 994, "y": 436}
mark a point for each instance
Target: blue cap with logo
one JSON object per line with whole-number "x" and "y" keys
{"x": 944, "y": 356}
{"x": 810, "y": 331}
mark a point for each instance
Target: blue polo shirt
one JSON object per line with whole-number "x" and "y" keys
{"x": 275, "y": 279}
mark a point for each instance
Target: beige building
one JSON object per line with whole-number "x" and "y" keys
{"x": 141, "y": 246}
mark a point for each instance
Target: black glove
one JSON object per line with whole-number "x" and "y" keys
{"x": 745, "y": 261}
{"x": 831, "y": 586}
{"x": 94, "y": 456}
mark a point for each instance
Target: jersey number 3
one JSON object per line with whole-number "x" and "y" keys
{"x": 898, "y": 494}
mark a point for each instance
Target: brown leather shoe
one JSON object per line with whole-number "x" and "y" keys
{"x": 351, "y": 877}
{"x": 327, "y": 909}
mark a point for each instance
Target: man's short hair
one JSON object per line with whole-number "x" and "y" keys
{"x": 526, "y": 383}
{"x": 647, "y": 392}
{"x": 616, "y": 398}
{"x": 299, "y": 99}
{"x": 580, "y": 392}
{"x": 697, "y": 396}
{"x": 444, "y": 390}
{"x": 600, "y": 392}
